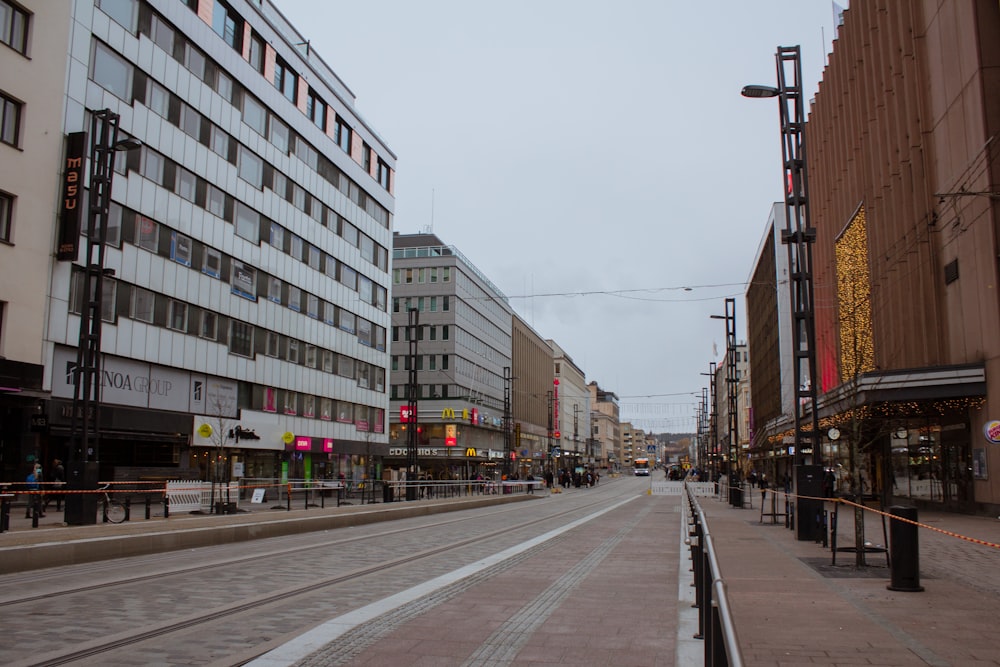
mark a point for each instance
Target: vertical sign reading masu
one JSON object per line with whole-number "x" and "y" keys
{"x": 72, "y": 200}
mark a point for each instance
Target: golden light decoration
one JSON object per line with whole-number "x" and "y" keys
{"x": 857, "y": 347}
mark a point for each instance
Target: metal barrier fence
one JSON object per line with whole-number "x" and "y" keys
{"x": 715, "y": 618}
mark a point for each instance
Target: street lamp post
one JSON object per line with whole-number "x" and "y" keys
{"x": 798, "y": 235}
{"x": 84, "y": 452}
{"x": 412, "y": 389}
{"x": 732, "y": 409}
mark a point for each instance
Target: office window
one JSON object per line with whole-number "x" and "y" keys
{"x": 383, "y": 174}
{"x": 277, "y": 236}
{"x": 347, "y": 321}
{"x": 244, "y": 280}
{"x": 292, "y": 351}
{"x": 251, "y": 167}
{"x": 257, "y": 52}
{"x": 273, "y": 346}
{"x": 186, "y": 184}
{"x": 209, "y": 325}
{"x": 124, "y": 12}
{"x": 309, "y": 406}
{"x": 326, "y": 409}
{"x": 223, "y": 85}
{"x": 254, "y": 114}
{"x": 348, "y": 277}
{"x": 291, "y": 403}
{"x": 228, "y": 25}
{"x": 157, "y": 98}
{"x": 147, "y": 233}
{"x": 219, "y": 142}
{"x": 365, "y": 289}
{"x": 191, "y": 122}
{"x": 162, "y": 35}
{"x": 298, "y": 197}
{"x": 343, "y": 135}
{"x": 212, "y": 262}
{"x": 6, "y": 215}
{"x": 152, "y": 166}
{"x": 279, "y": 135}
{"x": 194, "y": 61}
{"x": 345, "y": 366}
{"x": 306, "y": 153}
{"x": 294, "y": 298}
{"x": 312, "y": 306}
{"x": 366, "y": 156}
{"x": 177, "y": 318}
{"x": 247, "y": 222}
{"x": 241, "y": 338}
{"x": 142, "y": 304}
{"x": 316, "y": 110}
{"x": 274, "y": 289}
{"x": 297, "y": 247}
{"x": 311, "y": 356}
{"x": 314, "y": 255}
{"x": 180, "y": 248}
{"x": 111, "y": 71}
{"x": 349, "y": 233}
{"x": 215, "y": 201}
{"x": 285, "y": 80}
{"x": 13, "y": 26}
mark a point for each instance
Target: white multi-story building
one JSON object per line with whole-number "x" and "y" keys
{"x": 248, "y": 238}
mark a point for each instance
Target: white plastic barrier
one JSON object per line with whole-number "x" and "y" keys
{"x": 194, "y": 496}
{"x": 677, "y": 488}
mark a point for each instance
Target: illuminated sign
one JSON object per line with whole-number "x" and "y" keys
{"x": 327, "y": 445}
{"x": 992, "y": 431}
{"x": 470, "y": 451}
{"x": 448, "y": 413}
{"x": 474, "y": 415}
{"x": 450, "y": 435}
{"x": 72, "y": 200}
{"x": 303, "y": 442}
{"x": 404, "y": 415}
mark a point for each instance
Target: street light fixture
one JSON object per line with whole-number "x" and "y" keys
{"x": 798, "y": 235}
{"x": 732, "y": 409}
{"x": 82, "y": 464}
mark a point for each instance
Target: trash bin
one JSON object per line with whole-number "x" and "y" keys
{"x": 904, "y": 551}
{"x": 386, "y": 493}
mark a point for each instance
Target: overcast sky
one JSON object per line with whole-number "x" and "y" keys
{"x": 593, "y": 159}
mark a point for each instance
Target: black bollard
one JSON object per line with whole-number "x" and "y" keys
{"x": 904, "y": 554}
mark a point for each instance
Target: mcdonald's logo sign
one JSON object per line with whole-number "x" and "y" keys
{"x": 465, "y": 413}
{"x": 470, "y": 451}
{"x": 448, "y": 413}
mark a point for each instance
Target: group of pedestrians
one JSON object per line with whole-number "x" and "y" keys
{"x": 38, "y": 502}
{"x": 578, "y": 479}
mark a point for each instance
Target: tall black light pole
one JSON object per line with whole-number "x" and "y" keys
{"x": 713, "y": 414}
{"x": 732, "y": 382}
{"x": 552, "y": 464}
{"x": 508, "y": 425}
{"x": 85, "y": 450}
{"x": 799, "y": 236}
{"x": 412, "y": 389}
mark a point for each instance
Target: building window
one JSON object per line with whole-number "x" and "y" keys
{"x": 314, "y": 255}
{"x": 6, "y": 215}
{"x": 186, "y": 184}
{"x": 124, "y": 12}
{"x": 343, "y": 135}
{"x": 241, "y": 338}
{"x": 215, "y": 201}
{"x": 178, "y": 316}
{"x": 285, "y": 80}
{"x": 209, "y": 325}
{"x": 247, "y": 222}
{"x": 13, "y": 26}
{"x": 257, "y": 52}
{"x": 291, "y": 403}
{"x": 157, "y": 99}
{"x": 311, "y": 356}
{"x": 366, "y": 156}
{"x": 296, "y": 247}
{"x": 251, "y": 167}
{"x": 180, "y": 248}
{"x": 254, "y": 114}
{"x": 152, "y": 166}
{"x": 312, "y": 306}
{"x": 383, "y": 174}
{"x": 191, "y": 122}
{"x": 328, "y": 361}
{"x": 228, "y": 25}
{"x": 111, "y": 72}
{"x": 10, "y": 121}
{"x": 274, "y": 289}
{"x": 142, "y": 304}
{"x": 162, "y": 35}
{"x": 244, "y": 280}
{"x": 279, "y": 135}
{"x": 273, "y": 347}
{"x": 316, "y": 110}
{"x": 277, "y": 238}
{"x": 194, "y": 61}
{"x": 293, "y": 351}
{"x": 147, "y": 233}
{"x": 212, "y": 262}
{"x": 294, "y": 298}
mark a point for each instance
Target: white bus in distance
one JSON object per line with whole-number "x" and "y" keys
{"x": 641, "y": 467}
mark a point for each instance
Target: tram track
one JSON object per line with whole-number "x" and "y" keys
{"x": 264, "y": 605}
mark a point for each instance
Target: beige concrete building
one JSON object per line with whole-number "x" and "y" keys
{"x": 605, "y": 428}
{"x": 33, "y": 61}
{"x": 573, "y": 415}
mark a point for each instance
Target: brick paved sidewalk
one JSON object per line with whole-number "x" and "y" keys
{"x": 793, "y": 608}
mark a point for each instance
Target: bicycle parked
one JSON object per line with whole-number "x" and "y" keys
{"x": 114, "y": 510}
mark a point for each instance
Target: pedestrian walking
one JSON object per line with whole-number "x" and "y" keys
{"x": 58, "y": 479}
{"x": 34, "y": 480}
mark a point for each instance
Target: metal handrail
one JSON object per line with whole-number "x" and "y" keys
{"x": 716, "y": 624}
